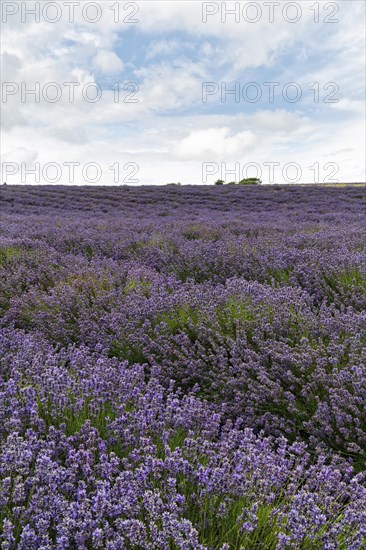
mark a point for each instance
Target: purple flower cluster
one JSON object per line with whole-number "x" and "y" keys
{"x": 182, "y": 368}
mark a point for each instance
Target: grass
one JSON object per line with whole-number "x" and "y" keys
{"x": 281, "y": 276}
{"x": 353, "y": 278}
{"x": 348, "y": 283}
{"x": 124, "y": 350}
{"x": 74, "y": 418}
{"x": 141, "y": 286}
{"x": 184, "y": 318}
{"x": 8, "y": 253}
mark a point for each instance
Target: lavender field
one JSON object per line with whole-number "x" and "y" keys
{"x": 183, "y": 368}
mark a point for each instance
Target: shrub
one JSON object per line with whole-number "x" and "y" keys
{"x": 250, "y": 181}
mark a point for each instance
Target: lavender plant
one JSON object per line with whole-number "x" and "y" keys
{"x": 183, "y": 368}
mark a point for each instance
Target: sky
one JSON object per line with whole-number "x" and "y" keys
{"x": 139, "y": 93}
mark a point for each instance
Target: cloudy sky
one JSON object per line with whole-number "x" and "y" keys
{"x": 156, "y": 92}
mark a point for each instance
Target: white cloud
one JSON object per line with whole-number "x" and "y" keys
{"x": 107, "y": 62}
{"x": 279, "y": 120}
{"x": 169, "y": 131}
{"x": 21, "y": 154}
{"x": 346, "y": 104}
{"x": 70, "y": 133}
{"x": 163, "y": 47}
{"x": 214, "y": 144}
{"x": 166, "y": 86}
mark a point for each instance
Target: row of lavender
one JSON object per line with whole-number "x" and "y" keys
{"x": 183, "y": 367}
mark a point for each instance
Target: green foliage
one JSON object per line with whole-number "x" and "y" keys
{"x": 7, "y": 253}
{"x": 250, "y": 181}
{"x": 75, "y": 415}
{"x": 124, "y": 350}
{"x": 184, "y": 318}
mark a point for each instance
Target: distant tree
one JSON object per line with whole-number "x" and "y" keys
{"x": 250, "y": 181}
{"x": 219, "y": 182}
{"x": 232, "y": 183}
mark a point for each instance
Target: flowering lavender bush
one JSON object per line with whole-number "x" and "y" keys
{"x": 183, "y": 368}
